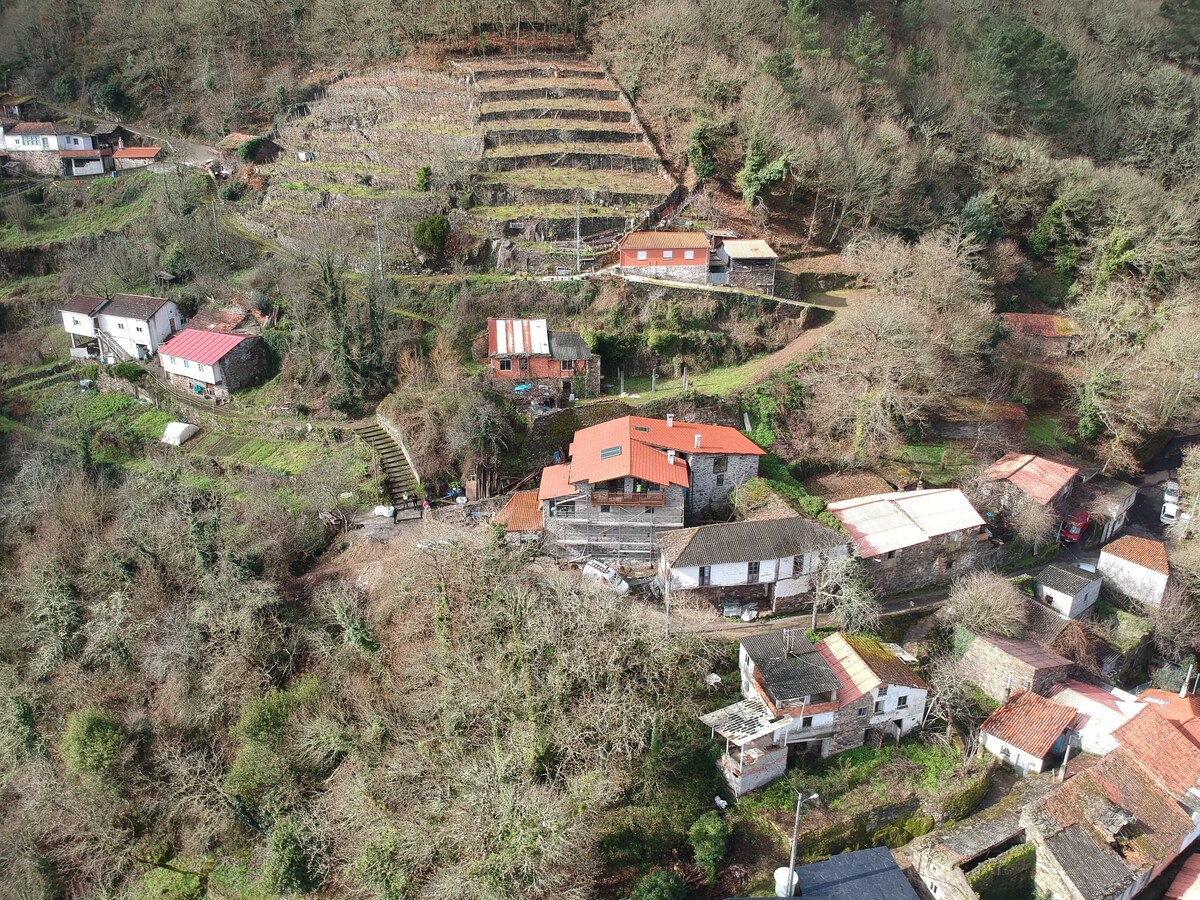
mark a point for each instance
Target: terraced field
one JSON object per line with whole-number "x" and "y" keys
{"x": 558, "y": 134}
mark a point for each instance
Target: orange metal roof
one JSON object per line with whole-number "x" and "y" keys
{"x": 1030, "y": 723}
{"x": 1162, "y": 750}
{"x": 665, "y": 240}
{"x": 556, "y": 482}
{"x": 136, "y": 152}
{"x": 522, "y": 512}
{"x": 1144, "y": 552}
{"x": 1036, "y": 476}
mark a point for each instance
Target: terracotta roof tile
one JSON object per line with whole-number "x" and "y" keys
{"x": 1030, "y": 723}
{"x": 522, "y": 512}
{"x": 136, "y": 152}
{"x": 1147, "y": 553}
{"x": 1182, "y": 712}
{"x": 1163, "y": 751}
{"x": 1186, "y": 885}
{"x": 556, "y": 482}
{"x": 665, "y": 240}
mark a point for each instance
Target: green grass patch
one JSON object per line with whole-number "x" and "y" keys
{"x": 547, "y": 211}
{"x": 1128, "y": 629}
{"x": 281, "y": 457}
{"x": 938, "y": 465}
{"x": 105, "y": 206}
{"x": 150, "y": 425}
{"x": 584, "y": 179}
{"x": 361, "y": 191}
{"x": 1047, "y": 431}
{"x": 644, "y": 151}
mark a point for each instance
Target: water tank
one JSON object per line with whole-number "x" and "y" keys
{"x": 781, "y": 882}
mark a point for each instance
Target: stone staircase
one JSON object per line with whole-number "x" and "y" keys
{"x": 397, "y": 473}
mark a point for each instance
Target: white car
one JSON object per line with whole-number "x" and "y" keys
{"x": 594, "y": 570}
{"x": 1171, "y": 491}
{"x": 1170, "y": 514}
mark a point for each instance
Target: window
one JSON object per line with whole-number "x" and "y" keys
{"x": 524, "y": 364}
{"x": 806, "y": 722}
{"x": 650, "y": 509}
{"x": 891, "y": 554}
{"x": 720, "y": 464}
{"x": 705, "y": 576}
{"x": 170, "y": 359}
{"x": 186, "y": 364}
{"x": 641, "y": 254}
{"x": 139, "y": 328}
{"x": 567, "y": 365}
{"x": 121, "y": 325}
{"x": 878, "y": 707}
{"x": 882, "y": 692}
{"x": 563, "y": 510}
{"x": 933, "y": 888}
{"x": 605, "y": 509}
{"x": 949, "y": 564}
{"x": 752, "y": 572}
{"x": 689, "y": 254}
{"x": 74, "y": 321}
{"x": 1005, "y": 752}
{"x": 862, "y": 712}
{"x": 645, "y": 428}
{"x": 902, "y": 701}
{"x": 28, "y": 140}
{"x": 668, "y": 254}
{"x": 720, "y": 480}
{"x": 506, "y": 365}
{"x": 610, "y": 452}
{"x": 800, "y": 565}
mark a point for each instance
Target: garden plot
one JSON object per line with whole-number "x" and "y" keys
{"x": 282, "y": 457}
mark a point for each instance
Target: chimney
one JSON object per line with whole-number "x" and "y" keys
{"x": 670, "y": 457}
{"x": 696, "y": 441}
{"x": 1183, "y": 691}
{"x": 670, "y": 420}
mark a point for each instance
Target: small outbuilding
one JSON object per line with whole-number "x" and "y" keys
{"x": 1136, "y": 567}
{"x": 1070, "y": 590}
{"x": 177, "y": 433}
{"x": 1028, "y": 732}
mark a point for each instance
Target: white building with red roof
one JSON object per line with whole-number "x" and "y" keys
{"x": 1028, "y": 732}
{"x": 1136, "y": 567}
{"x": 211, "y": 364}
{"x": 912, "y": 539}
{"x": 631, "y": 479}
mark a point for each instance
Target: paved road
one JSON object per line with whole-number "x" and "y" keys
{"x": 1143, "y": 518}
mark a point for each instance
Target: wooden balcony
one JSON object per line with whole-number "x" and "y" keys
{"x": 628, "y": 498}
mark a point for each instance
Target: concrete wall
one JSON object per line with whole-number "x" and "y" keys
{"x": 709, "y": 486}
{"x": 131, "y": 333}
{"x": 640, "y": 260}
{"x": 936, "y": 561}
{"x": 1132, "y": 580}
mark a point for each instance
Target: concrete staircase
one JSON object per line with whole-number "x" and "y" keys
{"x": 398, "y": 474}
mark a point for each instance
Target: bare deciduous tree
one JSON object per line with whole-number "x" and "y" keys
{"x": 987, "y": 603}
{"x": 1176, "y": 622}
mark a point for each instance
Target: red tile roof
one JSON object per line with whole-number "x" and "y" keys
{"x": 205, "y": 347}
{"x": 136, "y": 152}
{"x": 1162, "y": 750}
{"x": 85, "y": 154}
{"x": 1030, "y": 723}
{"x": 522, "y": 512}
{"x": 1144, "y": 552}
{"x": 1182, "y": 712}
{"x": 635, "y": 447}
{"x": 1186, "y": 885}
{"x": 665, "y": 240}
{"x": 1040, "y": 478}
{"x": 862, "y": 664}
{"x": 1040, "y": 325}
{"x": 41, "y": 128}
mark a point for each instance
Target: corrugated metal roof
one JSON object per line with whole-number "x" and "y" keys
{"x": 746, "y": 721}
{"x": 522, "y": 512}
{"x": 205, "y": 347}
{"x": 518, "y": 337}
{"x": 1036, "y": 476}
{"x": 885, "y": 522}
{"x": 665, "y": 240}
{"x": 739, "y": 542}
{"x": 1030, "y": 723}
{"x": 748, "y": 250}
{"x": 556, "y": 482}
{"x": 568, "y": 345}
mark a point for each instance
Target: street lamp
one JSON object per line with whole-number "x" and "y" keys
{"x": 791, "y": 878}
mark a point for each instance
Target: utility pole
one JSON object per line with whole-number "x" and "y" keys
{"x": 216, "y": 229}
{"x": 791, "y": 877}
{"x": 379, "y": 246}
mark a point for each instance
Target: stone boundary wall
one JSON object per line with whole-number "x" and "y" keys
{"x": 397, "y": 435}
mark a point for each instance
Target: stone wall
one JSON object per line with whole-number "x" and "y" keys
{"x": 245, "y": 365}
{"x": 996, "y": 673}
{"x": 759, "y": 278}
{"x": 38, "y": 162}
{"x": 936, "y": 561}
{"x": 705, "y": 490}
{"x": 689, "y": 274}
{"x": 850, "y": 728}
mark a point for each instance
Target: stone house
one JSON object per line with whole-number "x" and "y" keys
{"x": 913, "y": 539}
{"x": 1000, "y": 666}
{"x": 1028, "y": 732}
{"x": 1108, "y": 502}
{"x": 36, "y": 147}
{"x": 748, "y": 264}
{"x": 123, "y": 326}
{"x": 820, "y": 700}
{"x": 1136, "y": 567}
{"x": 776, "y": 561}
{"x": 211, "y": 364}
{"x": 521, "y": 517}
{"x": 631, "y": 480}
{"x": 527, "y": 359}
{"x": 1044, "y": 481}
{"x": 1070, "y": 590}
{"x": 666, "y": 255}
{"x": 263, "y": 149}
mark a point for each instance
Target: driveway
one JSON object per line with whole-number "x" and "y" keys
{"x": 1143, "y": 518}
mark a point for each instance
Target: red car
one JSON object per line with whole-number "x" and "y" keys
{"x": 1075, "y": 526}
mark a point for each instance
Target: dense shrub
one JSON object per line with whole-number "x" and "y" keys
{"x": 709, "y": 839}
{"x": 290, "y": 867}
{"x": 660, "y": 885}
{"x": 130, "y": 371}
{"x": 92, "y": 741}
{"x": 430, "y": 235}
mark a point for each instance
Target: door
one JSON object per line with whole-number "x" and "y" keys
{"x": 705, "y": 576}
{"x": 172, "y": 324}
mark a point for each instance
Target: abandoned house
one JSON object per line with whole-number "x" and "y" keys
{"x": 532, "y": 362}
{"x": 666, "y": 255}
{"x": 1028, "y": 732}
{"x": 630, "y": 480}
{"x": 1068, "y": 589}
{"x": 211, "y": 364}
{"x": 521, "y": 517}
{"x": 819, "y": 699}
{"x": 237, "y": 147}
{"x": 1102, "y": 709}
{"x": 120, "y": 327}
{"x": 1042, "y": 480}
{"x": 913, "y": 539}
{"x": 747, "y": 264}
{"x": 1039, "y": 337}
{"x": 1136, "y": 567}
{"x": 1001, "y": 666}
{"x": 774, "y": 561}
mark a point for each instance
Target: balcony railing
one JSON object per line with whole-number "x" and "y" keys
{"x": 628, "y": 498}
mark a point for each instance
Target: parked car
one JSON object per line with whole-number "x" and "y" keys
{"x": 594, "y": 570}
{"x": 1170, "y": 514}
{"x": 1171, "y": 491}
{"x": 1075, "y": 526}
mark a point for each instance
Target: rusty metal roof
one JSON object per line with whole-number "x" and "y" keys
{"x": 1036, "y": 476}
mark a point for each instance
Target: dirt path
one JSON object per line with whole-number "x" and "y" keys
{"x": 811, "y": 336}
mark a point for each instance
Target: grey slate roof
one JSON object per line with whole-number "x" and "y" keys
{"x": 790, "y": 666}
{"x": 133, "y": 306}
{"x": 1043, "y": 623}
{"x": 568, "y": 345}
{"x": 1069, "y": 580}
{"x": 738, "y": 542}
{"x": 859, "y": 875}
{"x": 1096, "y": 870}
